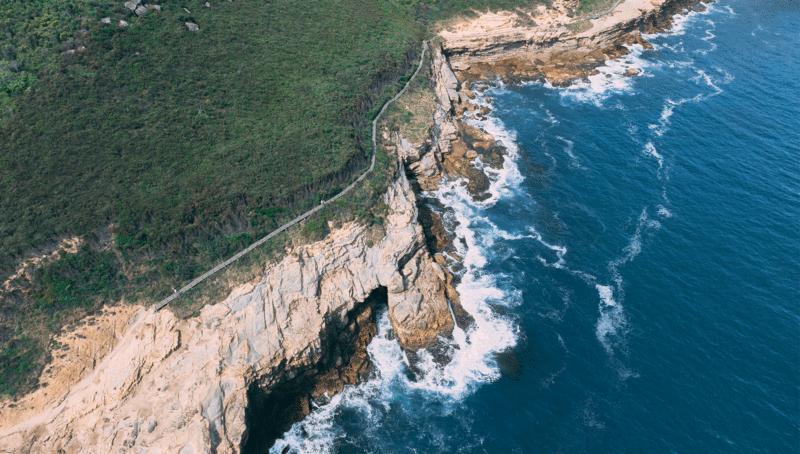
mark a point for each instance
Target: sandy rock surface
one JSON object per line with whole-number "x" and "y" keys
{"x": 174, "y": 385}
{"x": 149, "y": 383}
{"x": 499, "y": 45}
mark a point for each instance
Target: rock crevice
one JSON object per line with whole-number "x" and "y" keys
{"x": 556, "y": 53}
{"x": 182, "y": 385}
{"x": 299, "y": 333}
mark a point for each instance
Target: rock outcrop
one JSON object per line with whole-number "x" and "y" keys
{"x": 181, "y": 385}
{"x": 553, "y": 51}
{"x": 185, "y": 386}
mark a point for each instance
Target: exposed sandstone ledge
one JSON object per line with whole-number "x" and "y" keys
{"x": 555, "y": 53}
{"x": 493, "y": 46}
{"x": 181, "y": 385}
{"x": 478, "y": 52}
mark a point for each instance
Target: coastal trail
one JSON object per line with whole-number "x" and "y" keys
{"x": 146, "y": 317}
{"x": 344, "y": 192}
{"x": 308, "y": 213}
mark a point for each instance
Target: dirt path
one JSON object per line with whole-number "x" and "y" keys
{"x": 308, "y": 213}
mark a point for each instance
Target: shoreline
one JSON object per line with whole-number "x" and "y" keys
{"x": 558, "y": 55}
{"x": 451, "y": 149}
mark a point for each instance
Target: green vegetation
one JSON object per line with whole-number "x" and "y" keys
{"x": 591, "y": 7}
{"x": 168, "y": 150}
{"x": 433, "y": 11}
{"x": 410, "y": 115}
{"x": 172, "y": 134}
{"x": 186, "y": 145}
{"x": 33, "y": 34}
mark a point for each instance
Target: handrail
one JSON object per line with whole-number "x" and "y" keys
{"x": 308, "y": 213}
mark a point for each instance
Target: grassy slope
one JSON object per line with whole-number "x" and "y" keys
{"x": 411, "y": 114}
{"x": 251, "y": 109}
{"x": 190, "y": 145}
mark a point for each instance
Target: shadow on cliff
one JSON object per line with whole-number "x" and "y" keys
{"x": 342, "y": 359}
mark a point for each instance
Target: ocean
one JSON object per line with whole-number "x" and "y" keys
{"x": 635, "y": 277}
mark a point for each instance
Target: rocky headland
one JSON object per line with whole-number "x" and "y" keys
{"x": 242, "y": 371}
{"x": 558, "y": 48}
{"x": 175, "y": 385}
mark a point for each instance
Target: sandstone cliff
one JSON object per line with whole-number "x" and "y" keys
{"x": 558, "y": 52}
{"x": 184, "y": 386}
{"x": 181, "y": 385}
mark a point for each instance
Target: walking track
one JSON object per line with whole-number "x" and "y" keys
{"x": 308, "y": 213}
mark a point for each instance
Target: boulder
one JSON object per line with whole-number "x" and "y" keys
{"x": 266, "y": 332}
{"x": 132, "y": 4}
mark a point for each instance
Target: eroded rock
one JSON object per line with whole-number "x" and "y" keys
{"x": 132, "y": 4}
{"x": 519, "y": 53}
{"x": 198, "y": 372}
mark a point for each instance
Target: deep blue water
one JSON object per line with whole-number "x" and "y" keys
{"x": 640, "y": 261}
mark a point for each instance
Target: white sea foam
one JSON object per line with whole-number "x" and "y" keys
{"x": 563, "y": 344}
{"x": 663, "y": 122}
{"x": 612, "y": 318}
{"x": 549, "y": 381}
{"x": 634, "y": 246}
{"x": 709, "y": 36}
{"x": 610, "y": 79}
{"x": 611, "y": 324}
{"x": 663, "y": 212}
{"x": 553, "y": 159}
{"x": 590, "y": 419}
{"x": 682, "y": 20}
{"x": 550, "y": 118}
{"x": 506, "y": 180}
{"x": 606, "y": 295}
{"x": 701, "y": 77}
{"x": 710, "y": 81}
{"x": 568, "y": 147}
{"x": 650, "y": 150}
{"x": 473, "y": 352}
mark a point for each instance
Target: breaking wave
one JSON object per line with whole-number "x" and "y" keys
{"x": 473, "y": 351}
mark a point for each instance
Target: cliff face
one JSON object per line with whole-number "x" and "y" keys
{"x": 182, "y": 385}
{"x": 553, "y": 51}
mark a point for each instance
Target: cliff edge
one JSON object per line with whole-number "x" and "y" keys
{"x": 159, "y": 384}
{"x": 181, "y": 385}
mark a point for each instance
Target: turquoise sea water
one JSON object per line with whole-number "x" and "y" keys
{"x": 638, "y": 265}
